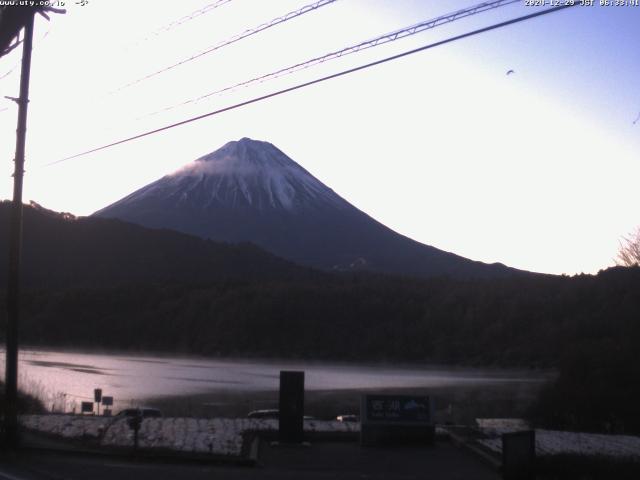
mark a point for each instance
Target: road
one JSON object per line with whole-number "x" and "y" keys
{"x": 321, "y": 461}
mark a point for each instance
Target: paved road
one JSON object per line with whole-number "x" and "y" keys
{"x": 320, "y": 461}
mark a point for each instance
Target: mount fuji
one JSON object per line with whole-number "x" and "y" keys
{"x": 251, "y": 191}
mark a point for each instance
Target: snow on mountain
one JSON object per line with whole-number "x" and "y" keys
{"x": 245, "y": 173}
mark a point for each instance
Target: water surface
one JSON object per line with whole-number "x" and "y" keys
{"x": 65, "y": 379}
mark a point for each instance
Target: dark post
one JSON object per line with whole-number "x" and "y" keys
{"x": 519, "y": 455}
{"x": 97, "y": 397}
{"x": 15, "y": 244}
{"x": 291, "y": 407}
{"x": 134, "y": 423}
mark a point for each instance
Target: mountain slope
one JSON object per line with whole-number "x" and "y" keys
{"x": 62, "y": 251}
{"x": 251, "y": 191}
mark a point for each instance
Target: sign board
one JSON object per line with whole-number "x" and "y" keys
{"x": 395, "y": 419}
{"x": 86, "y": 407}
{"x": 397, "y": 409}
{"x": 107, "y": 401}
{"x": 97, "y": 395}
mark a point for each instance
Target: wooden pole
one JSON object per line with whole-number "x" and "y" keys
{"x": 15, "y": 246}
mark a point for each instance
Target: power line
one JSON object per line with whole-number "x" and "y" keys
{"x": 191, "y": 16}
{"x": 15, "y": 65}
{"x": 196, "y": 13}
{"x": 318, "y": 80}
{"x": 380, "y": 40}
{"x": 11, "y": 47}
{"x": 236, "y": 38}
{"x": 10, "y": 71}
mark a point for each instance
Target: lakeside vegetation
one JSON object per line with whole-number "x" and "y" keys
{"x": 26, "y": 403}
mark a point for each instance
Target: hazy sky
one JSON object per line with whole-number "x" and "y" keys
{"x": 537, "y": 169}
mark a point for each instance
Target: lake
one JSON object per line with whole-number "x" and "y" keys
{"x": 64, "y": 379}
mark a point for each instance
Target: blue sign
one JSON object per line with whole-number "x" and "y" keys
{"x": 397, "y": 408}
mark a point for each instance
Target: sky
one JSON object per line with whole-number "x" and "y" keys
{"x": 536, "y": 169}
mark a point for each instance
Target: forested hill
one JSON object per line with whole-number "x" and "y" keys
{"x": 195, "y": 296}
{"x": 62, "y": 251}
{"x": 528, "y": 322}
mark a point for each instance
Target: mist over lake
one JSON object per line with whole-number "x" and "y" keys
{"x": 66, "y": 378}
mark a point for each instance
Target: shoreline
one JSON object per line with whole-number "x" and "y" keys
{"x": 460, "y": 404}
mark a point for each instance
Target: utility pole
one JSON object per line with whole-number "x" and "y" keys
{"x": 15, "y": 245}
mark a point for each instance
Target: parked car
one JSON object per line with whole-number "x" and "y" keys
{"x": 272, "y": 413}
{"x": 266, "y": 413}
{"x": 144, "y": 412}
{"x": 348, "y": 418}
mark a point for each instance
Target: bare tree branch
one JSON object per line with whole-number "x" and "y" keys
{"x": 629, "y": 253}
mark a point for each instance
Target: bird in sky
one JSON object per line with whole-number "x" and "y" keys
{"x": 637, "y": 118}
{"x": 509, "y": 72}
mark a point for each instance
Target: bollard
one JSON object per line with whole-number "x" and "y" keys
{"x": 291, "y": 407}
{"x": 134, "y": 423}
{"x": 519, "y": 455}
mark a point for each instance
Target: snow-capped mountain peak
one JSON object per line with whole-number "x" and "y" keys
{"x": 251, "y": 191}
{"x": 244, "y": 173}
